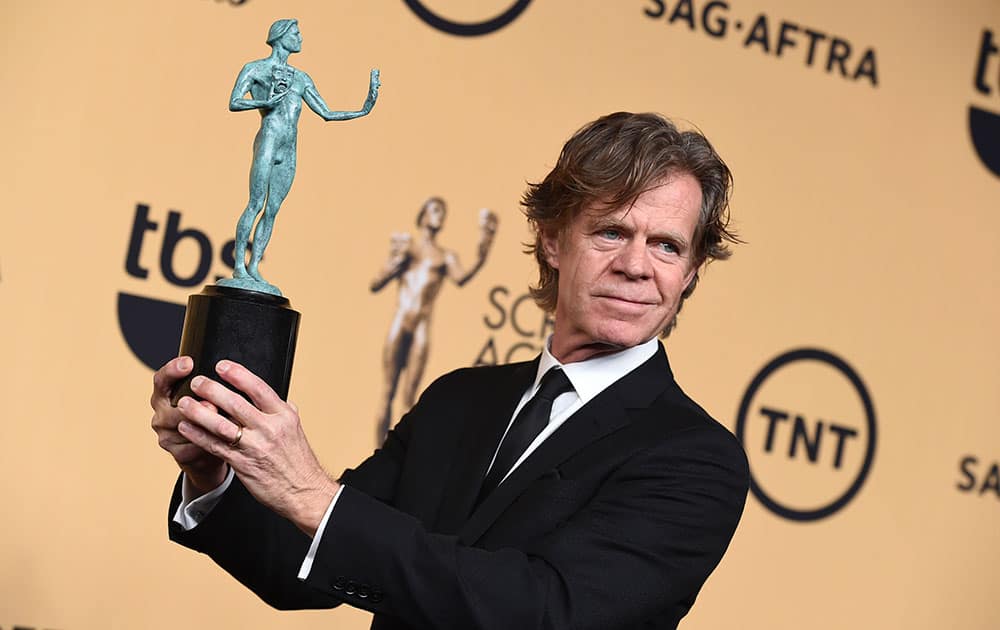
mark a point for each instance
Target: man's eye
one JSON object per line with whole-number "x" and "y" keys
{"x": 611, "y": 234}
{"x": 669, "y": 248}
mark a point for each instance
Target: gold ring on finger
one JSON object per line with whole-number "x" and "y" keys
{"x": 239, "y": 436}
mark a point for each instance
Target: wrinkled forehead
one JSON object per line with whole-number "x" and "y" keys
{"x": 675, "y": 199}
{"x": 621, "y": 200}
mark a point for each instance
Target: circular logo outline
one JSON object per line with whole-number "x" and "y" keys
{"x": 467, "y": 29}
{"x": 813, "y": 354}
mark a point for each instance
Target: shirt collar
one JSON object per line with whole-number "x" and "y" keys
{"x": 591, "y": 377}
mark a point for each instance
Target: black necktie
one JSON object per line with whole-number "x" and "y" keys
{"x": 526, "y": 426}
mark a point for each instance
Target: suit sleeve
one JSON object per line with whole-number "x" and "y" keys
{"x": 646, "y": 541}
{"x": 256, "y": 546}
{"x": 264, "y": 551}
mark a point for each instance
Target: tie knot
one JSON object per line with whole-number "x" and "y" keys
{"x": 554, "y": 383}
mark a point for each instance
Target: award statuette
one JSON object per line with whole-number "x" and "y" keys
{"x": 245, "y": 318}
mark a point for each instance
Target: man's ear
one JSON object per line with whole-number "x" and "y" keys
{"x": 550, "y": 247}
{"x": 692, "y": 277}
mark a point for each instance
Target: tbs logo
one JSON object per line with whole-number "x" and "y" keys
{"x": 152, "y": 327}
{"x": 984, "y": 125}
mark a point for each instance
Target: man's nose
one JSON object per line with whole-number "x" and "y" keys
{"x": 633, "y": 260}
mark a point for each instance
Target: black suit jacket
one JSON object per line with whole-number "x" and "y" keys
{"x": 615, "y": 521}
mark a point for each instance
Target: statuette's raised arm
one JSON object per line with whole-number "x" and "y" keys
{"x": 316, "y": 103}
{"x": 487, "y": 231}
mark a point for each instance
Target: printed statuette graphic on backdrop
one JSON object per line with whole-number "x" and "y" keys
{"x": 245, "y": 318}
{"x": 277, "y": 91}
{"x": 420, "y": 267}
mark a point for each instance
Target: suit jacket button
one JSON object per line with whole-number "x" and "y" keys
{"x": 376, "y": 596}
{"x": 351, "y": 588}
{"x": 338, "y": 585}
{"x": 364, "y": 591}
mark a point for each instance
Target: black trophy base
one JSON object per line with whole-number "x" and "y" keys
{"x": 255, "y": 329}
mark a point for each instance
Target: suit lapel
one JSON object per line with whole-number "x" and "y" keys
{"x": 601, "y": 416}
{"x": 491, "y": 413}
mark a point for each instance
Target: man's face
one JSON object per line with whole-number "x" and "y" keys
{"x": 622, "y": 272}
{"x": 292, "y": 40}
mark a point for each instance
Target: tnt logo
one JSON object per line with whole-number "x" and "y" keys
{"x": 808, "y": 426}
{"x": 184, "y": 256}
{"x": 984, "y": 125}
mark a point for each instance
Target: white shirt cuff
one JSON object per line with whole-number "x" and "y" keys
{"x": 193, "y": 511}
{"x": 307, "y": 564}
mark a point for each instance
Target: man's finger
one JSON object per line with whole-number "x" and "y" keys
{"x": 172, "y": 438}
{"x": 221, "y": 398}
{"x": 203, "y": 439}
{"x": 211, "y": 427}
{"x": 186, "y": 453}
{"x": 167, "y": 376}
{"x": 260, "y": 393}
{"x": 208, "y": 405}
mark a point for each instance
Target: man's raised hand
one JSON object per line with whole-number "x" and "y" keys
{"x": 204, "y": 470}
{"x": 263, "y": 442}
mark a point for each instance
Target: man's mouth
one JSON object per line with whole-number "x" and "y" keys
{"x": 627, "y": 300}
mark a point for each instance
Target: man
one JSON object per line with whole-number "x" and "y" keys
{"x": 277, "y": 90}
{"x": 420, "y": 270}
{"x": 617, "y": 509}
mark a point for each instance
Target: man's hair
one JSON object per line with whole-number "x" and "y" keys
{"x": 609, "y": 163}
{"x": 423, "y": 208}
{"x": 278, "y": 30}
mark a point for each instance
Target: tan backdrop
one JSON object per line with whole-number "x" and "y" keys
{"x": 871, "y": 225}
